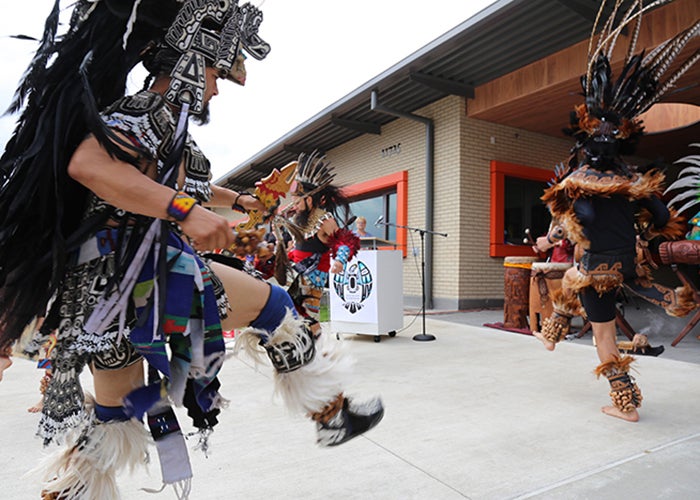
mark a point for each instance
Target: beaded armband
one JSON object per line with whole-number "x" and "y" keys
{"x": 180, "y": 206}
{"x": 342, "y": 253}
{"x": 344, "y": 245}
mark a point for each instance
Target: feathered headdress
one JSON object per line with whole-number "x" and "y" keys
{"x": 315, "y": 178}
{"x": 71, "y": 78}
{"x": 213, "y": 33}
{"x": 612, "y": 105}
{"x": 314, "y": 174}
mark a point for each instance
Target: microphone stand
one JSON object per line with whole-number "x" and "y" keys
{"x": 421, "y": 337}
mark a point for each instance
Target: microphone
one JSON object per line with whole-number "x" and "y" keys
{"x": 379, "y": 221}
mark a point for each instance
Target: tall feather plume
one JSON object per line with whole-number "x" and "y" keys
{"x": 611, "y": 22}
{"x": 37, "y": 67}
{"x": 640, "y": 83}
{"x": 635, "y": 34}
{"x": 598, "y": 47}
{"x": 593, "y": 30}
{"x": 654, "y": 54}
{"x": 314, "y": 171}
{"x": 606, "y": 38}
{"x": 674, "y": 47}
{"x": 671, "y": 81}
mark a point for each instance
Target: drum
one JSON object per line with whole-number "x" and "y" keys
{"x": 516, "y": 291}
{"x": 545, "y": 277}
{"x": 680, "y": 252}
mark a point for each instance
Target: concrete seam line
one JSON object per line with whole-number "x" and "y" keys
{"x": 583, "y": 475}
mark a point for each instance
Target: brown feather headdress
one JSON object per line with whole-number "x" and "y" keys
{"x": 612, "y": 105}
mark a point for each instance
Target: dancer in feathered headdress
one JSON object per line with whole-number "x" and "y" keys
{"x": 97, "y": 189}
{"x": 315, "y": 210}
{"x": 101, "y": 225}
{"x": 601, "y": 200}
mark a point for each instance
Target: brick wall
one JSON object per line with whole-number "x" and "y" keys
{"x": 463, "y": 273}
{"x": 481, "y": 276}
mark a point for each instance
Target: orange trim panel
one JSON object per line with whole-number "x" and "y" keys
{"x": 398, "y": 180}
{"x": 498, "y": 172}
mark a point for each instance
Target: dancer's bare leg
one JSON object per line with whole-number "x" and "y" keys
{"x": 36, "y": 408}
{"x": 42, "y": 389}
{"x": 604, "y": 334}
{"x": 246, "y": 295}
{"x": 5, "y": 363}
{"x": 554, "y": 329}
{"x": 112, "y": 385}
{"x": 566, "y": 305}
{"x": 549, "y": 345}
{"x": 88, "y": 467}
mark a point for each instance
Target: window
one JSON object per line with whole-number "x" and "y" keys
{"x": 516, "y": 206}
{"x": 372, "y": 208}
{"x": 385, "y": 197}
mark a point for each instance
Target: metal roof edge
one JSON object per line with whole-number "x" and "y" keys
{"x": 368, "y": 86}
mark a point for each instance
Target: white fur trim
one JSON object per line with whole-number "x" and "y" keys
{"x": 88, "y": 468}
{"x": 311, "y": 387}
{"x": 248, "y": 341}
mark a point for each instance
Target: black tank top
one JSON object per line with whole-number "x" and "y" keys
{"x": 313, "y": 245}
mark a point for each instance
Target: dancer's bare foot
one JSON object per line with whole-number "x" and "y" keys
{"x": 630, "y": 416}
{"x": 5, "y": 363}
{"x": 548, "y": 344}
{"x": 37, "y": 407}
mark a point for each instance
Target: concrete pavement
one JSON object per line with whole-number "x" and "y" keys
{"x": 478, "y": 413}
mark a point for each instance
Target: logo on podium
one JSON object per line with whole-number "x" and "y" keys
{"x": 354, "y": 286}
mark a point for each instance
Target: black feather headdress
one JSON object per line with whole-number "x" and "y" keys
{"x": 314, "y": 174}
{"x": 614, "y": 104}
{"x": 72, "y": 75}
{"x": 315, "y": 178}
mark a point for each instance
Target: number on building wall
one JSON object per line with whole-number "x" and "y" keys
{"x": 391, "y": 150}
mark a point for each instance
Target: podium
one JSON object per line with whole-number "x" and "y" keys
{"x": 373, "y": 243}
{"x": 367, "y": 298}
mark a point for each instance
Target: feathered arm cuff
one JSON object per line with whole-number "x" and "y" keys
{"x": 344, "y": 245}
{"x": 674, "y": 229}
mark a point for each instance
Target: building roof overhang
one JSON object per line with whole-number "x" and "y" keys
{"x": 506, "y": 40}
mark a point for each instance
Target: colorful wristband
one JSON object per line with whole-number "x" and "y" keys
{"x": 180, "y": 206}
{"x": 342, "y": 254}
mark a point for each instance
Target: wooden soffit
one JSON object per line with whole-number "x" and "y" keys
{"x": 539, "y": 96}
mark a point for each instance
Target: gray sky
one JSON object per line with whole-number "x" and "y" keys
{"x": 321, "y": 51}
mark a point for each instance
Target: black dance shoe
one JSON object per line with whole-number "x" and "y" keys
{"x": 351, "y": 421}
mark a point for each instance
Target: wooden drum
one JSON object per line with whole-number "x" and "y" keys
{"x": 545, "y": 278}
{"x": 516, "y": 291}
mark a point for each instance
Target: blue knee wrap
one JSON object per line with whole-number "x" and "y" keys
{"x": 111, "y": 413}
{"x": 275, "y": 310}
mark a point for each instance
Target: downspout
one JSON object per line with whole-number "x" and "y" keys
{"x": 429, "y": 181}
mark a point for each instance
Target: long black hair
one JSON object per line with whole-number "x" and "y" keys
{"x": 71, "y": 77}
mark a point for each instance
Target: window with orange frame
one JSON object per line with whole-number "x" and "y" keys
{"x": 386, "y": 197}
{"x": 515, "y": 207}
